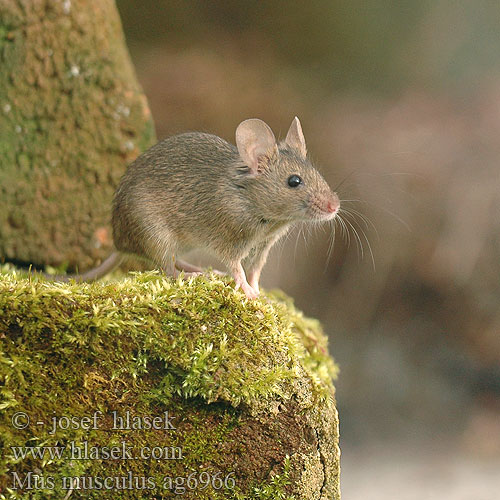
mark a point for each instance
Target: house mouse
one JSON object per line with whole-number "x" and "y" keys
{"x": 195, "y": 190}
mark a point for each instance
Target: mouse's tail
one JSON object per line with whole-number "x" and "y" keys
{"x": 110, "y": 263}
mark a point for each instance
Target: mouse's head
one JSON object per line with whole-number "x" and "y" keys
{"x": 281, "y": 181}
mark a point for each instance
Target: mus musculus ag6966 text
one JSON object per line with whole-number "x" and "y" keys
{"x": 196, "y": 190}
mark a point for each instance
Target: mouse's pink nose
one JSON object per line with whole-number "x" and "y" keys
{"x": 333, "y": 204}
{"x": 330, "y": 208}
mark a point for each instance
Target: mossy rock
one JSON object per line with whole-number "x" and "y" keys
{"x": 248, "y": 387}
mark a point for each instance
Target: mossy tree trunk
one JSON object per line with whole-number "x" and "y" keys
{"x": 72, "y": 115}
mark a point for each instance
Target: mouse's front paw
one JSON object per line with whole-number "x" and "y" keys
{"x": 247, "y": 290}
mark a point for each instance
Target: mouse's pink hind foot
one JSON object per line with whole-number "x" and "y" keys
{"x": 217, "y": 272}
{"x": 193, "y": 270}
{"x": 192, "y": 274}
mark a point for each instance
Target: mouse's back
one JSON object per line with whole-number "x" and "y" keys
{"x": 177, "y": 183}
{"x": 190, "y": 154}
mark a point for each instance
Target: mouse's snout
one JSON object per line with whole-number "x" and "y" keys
{"x": 332, "y": 204}
{"x": 324, "y": 206}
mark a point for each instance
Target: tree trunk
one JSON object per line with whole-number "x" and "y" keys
{"x": 72, "y": 115}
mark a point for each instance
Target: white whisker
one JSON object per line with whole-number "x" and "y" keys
{"x": 365, "y": 238}
{"x": 359, "y": 243}
{"x": 366, "y": 220}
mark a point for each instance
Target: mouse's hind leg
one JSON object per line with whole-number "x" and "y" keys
{"x": 161, "y": 249}
{"x": 165, "y": 257}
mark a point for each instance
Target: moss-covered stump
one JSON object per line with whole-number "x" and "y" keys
{"x": 72, "y": 115}
{"x": 241, "y": 390}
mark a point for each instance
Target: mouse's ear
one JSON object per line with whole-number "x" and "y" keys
{"x": 254, "y": 140}
{"x": 295, "y": 138}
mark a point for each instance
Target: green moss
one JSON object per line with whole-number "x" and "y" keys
{"x": 216, "y": 344}
{"x": 146, "y": 344}
{"x": 275, "y": 489}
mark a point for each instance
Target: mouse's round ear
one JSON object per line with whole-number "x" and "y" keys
{"x": 295, "y": 138}
{"x": 255, "y": 140}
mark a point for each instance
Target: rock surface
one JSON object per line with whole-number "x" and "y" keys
{"x": 248, "y": 387}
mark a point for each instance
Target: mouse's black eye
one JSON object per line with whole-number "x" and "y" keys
{"x": 294, "y": 181}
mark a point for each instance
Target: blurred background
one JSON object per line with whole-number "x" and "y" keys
{"x": 400, "y": 105}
